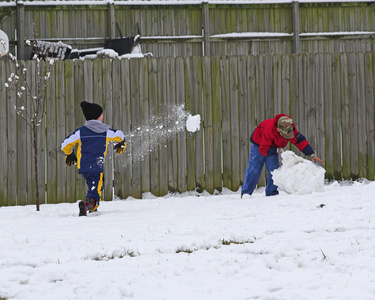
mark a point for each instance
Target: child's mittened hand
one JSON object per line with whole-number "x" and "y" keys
{"x": 71, "y": 159}
{"x": 120, "y": 147}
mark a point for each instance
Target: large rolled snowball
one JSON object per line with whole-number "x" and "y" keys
{"x": 298, "y": 175}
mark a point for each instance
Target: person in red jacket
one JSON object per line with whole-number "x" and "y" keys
{"x": 270, "y": 135}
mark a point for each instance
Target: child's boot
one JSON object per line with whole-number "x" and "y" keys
{"x": 82, "y": 208}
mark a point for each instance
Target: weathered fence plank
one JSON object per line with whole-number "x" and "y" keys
{"x": 51, "y": 130}
{"x": 198, "y": 104}
{"x": 216, "y": 123}
{"x": 181, "y": 136}
{"x": 136, "y": 120}
{"x": 361, "y": 125}
{"x": 234, "y": 122}
{"x": 345, "y": 113}
{"x": 370, "y": 113}
{"x": 353, "y": 115}
{"x": 260, "y": 106}
{"x": 190, "y": 106}
{"x": 243, "y": 118}
{"x": 207, "y": 125}
{"x": 60, "y": 131}
{"x": 12, "y": 145}
{"x": 79, "y": 119}
{"x": 225, "y": 123}
{"x": 145, "y": 106}
{"x": 154, "y": 102}
{"x": 22, "y": 156}
{"x": 319, "y": 118}
{"x": 123, "y": 171}
{"x": 331, "y": 110}
{"x": 116, "y": 123}
{"x": 4, "y": 171}
{"x": 163, "y": 148}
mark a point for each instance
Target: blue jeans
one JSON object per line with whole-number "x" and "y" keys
{"x": 256, "y": 162}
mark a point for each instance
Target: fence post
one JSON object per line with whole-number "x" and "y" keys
{"x": 111, "y": 21}
{"x": 206, "y": 29}
{"x": 20, "y": 26}
{"x": 296, "y": 46}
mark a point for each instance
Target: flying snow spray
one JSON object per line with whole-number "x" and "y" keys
{"x": 163, "y": 125}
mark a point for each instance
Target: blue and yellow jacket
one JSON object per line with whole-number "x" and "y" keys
{"x": 92, "y": 139}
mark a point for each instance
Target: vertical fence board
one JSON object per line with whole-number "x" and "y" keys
{"x": 155, "y": 163}
{"x": 70, "y": 112}
{"x": 319, "y": 119}
{"x": 361, "y": 125}
{"x": 107, "y": 105}
{"x": 310, "y": 131}
{"x": 116, "y": 123}
{"x": 370, "y": 113}
{"x": 136, "y": 120}
{"x": 170, "y": 70}
{"x": 336, "y": 138}
{"x": 198, "y": 104}
{"x": 251, "y": 109}
{"x": 268, "y": 87}
{"x": 60, "y": 100}
{"x": 181, "y": 136}
{"x": 244, "y": 118}
{"x": 276, "y": 86}
{"x": 353, "y": 115}
{"x": 123, "y": 183}
{"x": 29, "y": 167}
{"x": 234, "y": 123}
{"x": 191, "y": 137}
{"x": 21, "y": 145}
{"x": 79, "y": 119}
{"x": 330, "y": 110}
{"x": 216, "y": 124}
{"x": 207, "y": 125}
{"x": 12, "y": 145}
{"x": 225, "y": 123}
{"x": 345, "y": 112}
{"x": 143, "y": 86}
{"x": 3, "y": 137}
{"x": 260, "y": 105}
{"x": 162, "y": 90}
{"x": 51, "y": 131}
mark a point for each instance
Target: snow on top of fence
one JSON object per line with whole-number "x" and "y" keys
{"x": 165, "y": 2}
{"x": 283, "y": 34}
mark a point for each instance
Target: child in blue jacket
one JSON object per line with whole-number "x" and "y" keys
{"x": 92, "y": 139}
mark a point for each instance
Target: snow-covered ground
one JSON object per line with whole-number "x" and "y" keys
{"x": 313, "y": 246}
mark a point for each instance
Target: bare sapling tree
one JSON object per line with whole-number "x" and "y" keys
{"x": 31, "y": 98}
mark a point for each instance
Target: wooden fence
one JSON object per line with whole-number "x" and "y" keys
{"x": 330, "y": 97}
{"x": 197, "y": 28}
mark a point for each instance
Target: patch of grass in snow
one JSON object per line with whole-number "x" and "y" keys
{"x": 189, "y": 251}
{"x": 1, "y": 298}
{"x": 228, "y": 242}
{"x": 114, "y": 255}
{"x": 208, "y": 247}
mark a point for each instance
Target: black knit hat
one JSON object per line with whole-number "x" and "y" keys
{"x": 91, "y": 111}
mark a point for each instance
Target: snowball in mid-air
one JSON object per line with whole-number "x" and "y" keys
{"x": 193, "y": 123}
{"x": 298, "y": 175}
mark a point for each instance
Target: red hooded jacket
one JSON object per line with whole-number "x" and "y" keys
{"x": 268, "y": 138}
